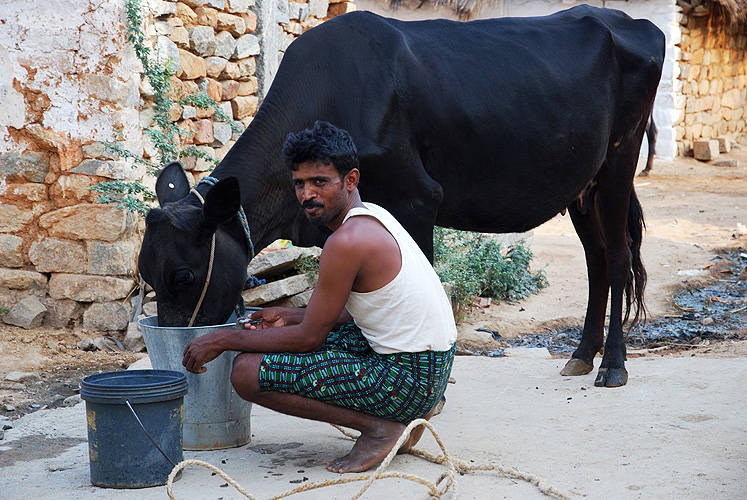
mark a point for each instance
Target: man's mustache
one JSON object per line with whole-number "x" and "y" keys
{"x": 311, "y": 204}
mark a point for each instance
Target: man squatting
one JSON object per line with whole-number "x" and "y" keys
{"x": 388, "y": 359}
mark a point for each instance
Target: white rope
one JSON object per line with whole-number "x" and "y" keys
{"x": 447, "y": 480}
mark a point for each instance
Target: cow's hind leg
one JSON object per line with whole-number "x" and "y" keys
{"x": 589, "y": 232}
{"x": 621, "y": 223}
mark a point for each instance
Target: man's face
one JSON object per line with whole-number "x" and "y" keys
{"x": 320, "y": 191}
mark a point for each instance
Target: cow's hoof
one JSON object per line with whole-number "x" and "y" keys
{"x": 611, "y": 377}
{"x": 575, "y": 367}
{"x": 644, "y": 173}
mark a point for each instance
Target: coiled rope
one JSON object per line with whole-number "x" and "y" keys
{"x": 445, "y": 482}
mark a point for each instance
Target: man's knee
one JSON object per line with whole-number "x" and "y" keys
{"x": 245, "y": 374}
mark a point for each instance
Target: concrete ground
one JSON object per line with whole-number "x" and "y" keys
{"x": 676, "y": 431}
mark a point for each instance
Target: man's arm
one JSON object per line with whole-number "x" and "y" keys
{"x": 339, "y": 265}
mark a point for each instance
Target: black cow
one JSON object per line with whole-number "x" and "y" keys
{"x": 491, "y": 125}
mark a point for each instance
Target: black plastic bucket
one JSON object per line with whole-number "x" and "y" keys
{"x": 120, "y": 453}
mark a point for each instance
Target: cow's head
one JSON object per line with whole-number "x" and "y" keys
{"x": 175, "y": 252}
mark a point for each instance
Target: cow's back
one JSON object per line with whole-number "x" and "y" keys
{"x": 510, "y": 102}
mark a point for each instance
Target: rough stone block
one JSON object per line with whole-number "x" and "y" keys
{"x": 29, "y": 191}
{"x": 231, "y": 23}
{"x": 231, "y": 72}
{"x": 246, "y": 46}
{"x": 134, "y": 340}
{"x": 29, "y": 166}
{"x": 247, "y": 68}
{"x": 318, "y": 8}
{"x": 98, "y": 151}
{"x": 724, "y": 144}
{"x": 86, "y": 288}
{"x": 191, "y": 67}
{"x": 207, "y": 16}
{"x": 225, "y": 45}
{"x": 11, "y": 250}
{"x": 239, "y": 6}
{"x": 202, "y": 40}
{"x": 298, "y": 300}
{"x": 200, "y": 164}
{"x": 244, "y": 106}
{"x": 250, "y": 18}
{"x": 726, "y": 163}
{"x": 19, "y": 279}
{"x": 150, "y": 308}
{"x": 13, "y": 219}
{"x": 211, "y": 87}
{"x": 270, "y": 292}
{"x": 106, "y": 317}
{"x": 215, "y": 65}
{"x": 186, "y": 14}
{"x": 27, "y": 314}
{"x": 229, "y": 90}
{"x": 60, "y": 312}
{"x": 111, "y": 258}
{"x": 124, "y": 170}
{"x": 216, "y": 4}
{"x": 88, "y": 221}
{"x": 23, "y": 377}
{"x": 167, "y": 52}
{"x": 248, "y": 87}
{"x": 278, "y": 261}
{"x": 203, "y": 132}
{"x": 225, "y": 108}
{"x": 337, "y": 9}
{"x": 705, "y": 150}
{"x": 222, "y": 133}
{"x": 180, "y": 37}
{"x": 52, "y": 255}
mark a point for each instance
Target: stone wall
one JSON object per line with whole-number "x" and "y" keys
{"x": 71, "y": 82}
{"x": 713, "y": 80}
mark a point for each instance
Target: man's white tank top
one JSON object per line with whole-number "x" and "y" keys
{"x": 411, "y": 313}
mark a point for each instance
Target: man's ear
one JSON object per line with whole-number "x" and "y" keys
{"x": 171, "y": 184}
{"x": 222, "y": 201}
{"x": 351, "y": 179}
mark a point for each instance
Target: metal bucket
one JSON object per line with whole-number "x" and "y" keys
{"x": 117, "y": 403}
{"x": 215, "y": 417}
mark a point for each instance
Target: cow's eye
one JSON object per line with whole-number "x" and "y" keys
{"x": 183, "y": 277}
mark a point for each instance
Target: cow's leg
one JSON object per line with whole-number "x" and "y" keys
{"x": 651, "y": 133}
{"x": 592, "y": 339}
{"x": 613, "y": 202}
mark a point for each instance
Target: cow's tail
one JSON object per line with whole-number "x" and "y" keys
{"x": 637, "y": 278}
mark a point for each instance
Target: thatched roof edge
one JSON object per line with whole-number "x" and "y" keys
{"x": 732, "y": 11}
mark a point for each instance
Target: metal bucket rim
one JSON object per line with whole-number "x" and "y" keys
{"x": 143, "y": 322}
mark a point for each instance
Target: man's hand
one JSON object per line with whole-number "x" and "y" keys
{"x": 276, "y": 316}
{"x": 200, "y": 351}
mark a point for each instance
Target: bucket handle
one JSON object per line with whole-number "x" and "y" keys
{"x": 146, "y": 433}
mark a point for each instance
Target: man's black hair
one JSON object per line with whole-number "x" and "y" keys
{"x": 324, "y": 143}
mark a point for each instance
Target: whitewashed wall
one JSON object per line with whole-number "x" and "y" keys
{"x": 668, "y": 107}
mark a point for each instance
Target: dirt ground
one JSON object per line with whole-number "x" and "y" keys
{"x": 693, "y": 213}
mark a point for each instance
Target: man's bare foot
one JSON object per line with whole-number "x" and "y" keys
{"x": 369, "y": 449}
{"x": 417, "y": 432}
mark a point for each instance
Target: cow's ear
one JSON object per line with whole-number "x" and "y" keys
{"x": 222, "y": 201}
{"x": 171, "y": 184}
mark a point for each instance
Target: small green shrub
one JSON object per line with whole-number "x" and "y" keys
{"x": 308, "y": 265}
{"x": 474, "y": 264}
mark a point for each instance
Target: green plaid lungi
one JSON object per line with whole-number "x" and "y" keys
{"x": 346, "y": 372}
